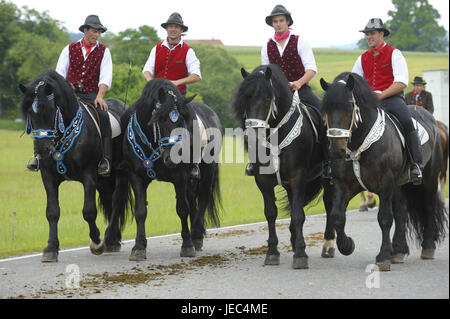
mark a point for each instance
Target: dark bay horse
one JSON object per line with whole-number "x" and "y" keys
{"x": 160, "y": 128}
{"x": 443, "y": 134}
{"x": 264, "y": 102}
{"x": 68, "y": 143}
{"x": 367, "y": 153}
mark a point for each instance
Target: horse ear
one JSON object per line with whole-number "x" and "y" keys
{"x": 268, "y": 73}
{"x": 22, "y": 88}
{"x": 324, "y": 84}
{"x": 244, "y": 73}
{"x": 189, "y": 99}
{"x": 350, "y": 82}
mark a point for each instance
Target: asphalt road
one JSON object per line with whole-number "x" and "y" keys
{"x": 231, "y": 267}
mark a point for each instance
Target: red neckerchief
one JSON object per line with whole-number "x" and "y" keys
{"x": 173, "y": 44}
{"x": 87, "y": 45}
{"x": 378, "y": 48}
{"x": 282, "y": 36}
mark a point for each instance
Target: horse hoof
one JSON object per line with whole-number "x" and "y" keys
{"x": 398, "y": 258}
{"x": 346, "y": 248}
{"x": 427, "y": 253}
{"x": 112, "y": 248}
{"x": 187, "y": 252}
{"x": 97, "y": 249}
{"x": 300, "y": 263}
{"x": 328, "y": 252}
{"x": 272, "y": 260}
{"x": 138, "y": 255}
{"x": 198, "y": 244}
{"x": 384, "y": 265}
{"x": 363, "y": 208}
{"x": 49, "y": 257}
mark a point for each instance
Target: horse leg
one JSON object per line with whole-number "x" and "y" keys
{"x": 345, "y": 244}
{"x": 197, "y": 214}
{"x": 328, "y": 248}
{"x": 50, "y": 253}
{"x": 399, "y": 244}
{"x": 138, "y": 252}
{"x": 183, "y": 205}
{"x": 271, "y": 212}
{"x": 363, "y": 204}
{"x": 297, "y": 220}
{"x": 90, "y": 215}
{"x": 385, "y": 220}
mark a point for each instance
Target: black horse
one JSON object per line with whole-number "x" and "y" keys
{"x": 69, "y": 146}
{"x": 160, "y": 127}
{"x": 264, "y": 102}
{"x": 367, "y": 153}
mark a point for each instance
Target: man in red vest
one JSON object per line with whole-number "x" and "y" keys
{"x": 295, "y": 57}
{"x": 87, "y": 65}
{"x": 174, "y": 60}
{"x": 385, "y": 70}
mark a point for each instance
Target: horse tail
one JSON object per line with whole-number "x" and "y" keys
{"x": 123, "y": 200}
{"x": 313, "y": 189}
{"x": 212, "y": 197}
{"x": 426, "y": 213}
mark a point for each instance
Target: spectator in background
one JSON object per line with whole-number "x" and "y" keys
{"x": 418, "y": 96}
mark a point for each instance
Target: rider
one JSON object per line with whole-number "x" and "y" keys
{"x": 385, "y": 70}
{"x": 87, "y": 65}
{"x": 418, "y": 96}
{"x": 176, "y": 61}
{"x": 295, "y": 57}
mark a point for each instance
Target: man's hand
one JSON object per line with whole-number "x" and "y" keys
{"x": 296, "y": 85}
{"x": 99, "y": 102}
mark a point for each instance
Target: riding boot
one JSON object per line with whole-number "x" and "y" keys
{"x": 33, "y": 163}
{"x": 104, "y": 166}
{"x": 416, "y": 165}
{"x": 195, "y": 171}
{"x": 250, "y": 170}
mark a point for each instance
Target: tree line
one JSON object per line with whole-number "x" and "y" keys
{"x": 31, "y": 41}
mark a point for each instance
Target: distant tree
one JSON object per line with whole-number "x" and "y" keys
{"x": 414, "y": 27}
{"x": 220, "y": 78}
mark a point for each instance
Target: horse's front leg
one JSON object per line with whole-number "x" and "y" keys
{"x": 187, "y": 247}
{"x": 90, "y": 215}
{"x": 399, "y": 243}
{"x": 50, "y": 253}
{"x": 328, "y": 249}
{"x": 385, "y": 220}
{"x": 271, "y": 213}
{"x": 340, "y": 201}
{"x": 138, "y": 252}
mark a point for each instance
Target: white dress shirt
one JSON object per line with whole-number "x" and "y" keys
{"x": 304, "y": 50}
{"x": 192, "y": 62}
{"x": 399, "y": 67}
{"x": 106, "y": 68}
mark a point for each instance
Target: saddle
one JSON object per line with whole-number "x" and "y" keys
{"x": 114, "y": 119}
{"x": 423, "y": 134}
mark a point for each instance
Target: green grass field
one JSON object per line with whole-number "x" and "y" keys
{"x": 24, "y": 227}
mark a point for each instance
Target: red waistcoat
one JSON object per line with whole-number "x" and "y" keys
{"x": 86, "y": 71}
{"x": 377, "y": 69}
{"x": 291, "y": 62}
{"x": 171, "y": 64}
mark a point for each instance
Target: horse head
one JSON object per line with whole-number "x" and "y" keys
{"x": 342, "y": 114}
{"x": 171, "y": 122}
{"x": 43, "y": 117}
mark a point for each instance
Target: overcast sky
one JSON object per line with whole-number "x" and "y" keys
{"x": 236, "y": 22}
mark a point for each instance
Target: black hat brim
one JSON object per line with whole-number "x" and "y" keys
{"x": 165, "y": 24}
{"x": 93, "y": 26}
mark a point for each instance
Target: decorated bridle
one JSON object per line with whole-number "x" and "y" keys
{"x": 356, "y": 118}
{"x": 134, "y": 128}
{"x": 64, "y": 137}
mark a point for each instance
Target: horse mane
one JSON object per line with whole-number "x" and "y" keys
{"x": 65, "y": 97}
{"x": 255, "y": 85}
{"x": 364, "y": 96}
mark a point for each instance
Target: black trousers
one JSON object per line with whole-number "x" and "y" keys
{"x": 306, "y": 95}
{"x": 397, "y": 106}
{"x": 105, "y": 125}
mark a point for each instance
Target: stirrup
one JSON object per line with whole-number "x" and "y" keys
{"x": 195, "y": 171}
{"x": 250, "y": 170}
{"x": 33, "y": 164}
{"x": 104, "y": 168}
